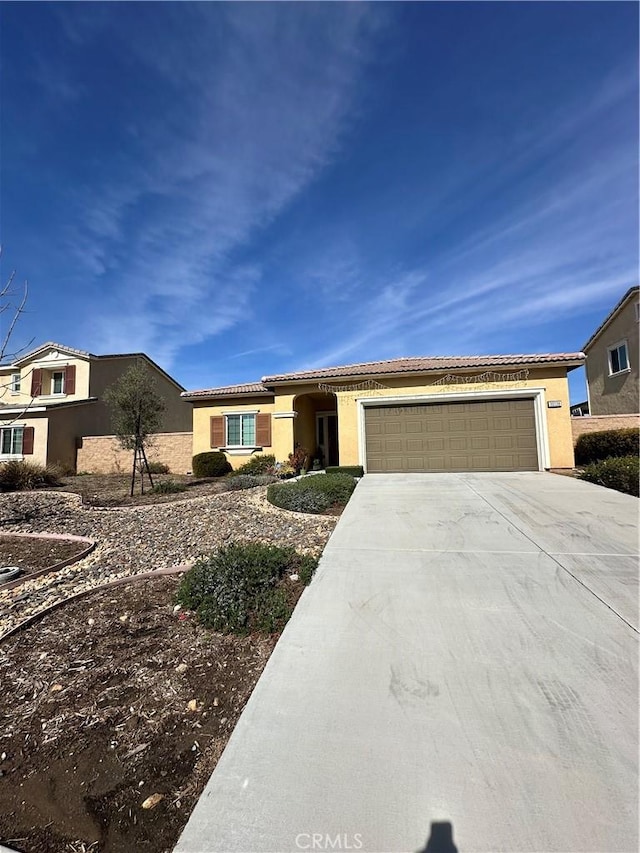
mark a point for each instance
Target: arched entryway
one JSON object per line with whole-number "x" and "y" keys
{"x": 316, "y": 426}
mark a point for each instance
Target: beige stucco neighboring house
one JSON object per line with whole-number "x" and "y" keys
{"x": 476, "y": 413}
{"x": 52, "y": 396}
{"x": 613, "y": 360}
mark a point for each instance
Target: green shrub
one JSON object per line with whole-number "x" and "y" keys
{"x": 210, "y": 464}
{"x": 621, "y": 473}
{"x": 352, "y": 470}
{"x": 168, "y": 487}
{"x": 158, "y": 468}
{"x": 262, "y": 463}
{"x": 290, "y": 497}
{"x": 19, "y": 474}
{"x": 249, "y": 481}
{"x": 312, "y": 494}
{"x": 594, "y": 446}
{"x": 244, "y": 588}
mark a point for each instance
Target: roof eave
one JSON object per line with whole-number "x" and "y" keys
{"x": 357, "y": 377}
{"x": 633, "y": 291}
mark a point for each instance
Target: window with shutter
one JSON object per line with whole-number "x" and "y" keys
{"x": 16, "y": 440}
{"x": 263, "y": 430}
{"x": 27, "y": 440}
{"x": 217, "y": 431}
{"x": 36, "y": 382}
{"x": 70, "y": 379}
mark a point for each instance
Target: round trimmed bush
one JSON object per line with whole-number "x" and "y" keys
{"x": 210, "y": 464}
{"x": 261, "y": 463}
{"x": 594, "y": 446}
{"x": 312, "y": 494}
{"x": 245, "y": 587}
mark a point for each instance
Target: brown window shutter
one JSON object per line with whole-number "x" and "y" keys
{"x": 217, "y": 431}
{"x": 263, "y": 430}
{"x": 70, "y": 379}
{"x": 27, "y": 441}
{"x": 36, "y": 383}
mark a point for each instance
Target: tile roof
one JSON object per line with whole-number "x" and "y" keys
{"x": 633, "y": 291}
{"x": 426, "y": 363}
{"x": 51, "y": 345}
{"x": 393, "y": 366}
{"x": 229, "y": 391}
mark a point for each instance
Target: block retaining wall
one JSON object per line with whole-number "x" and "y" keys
{"x": 101, "y": 454}
{"x": 596, "y": 423}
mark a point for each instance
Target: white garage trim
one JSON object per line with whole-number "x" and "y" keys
{"x": 536, "y": 394}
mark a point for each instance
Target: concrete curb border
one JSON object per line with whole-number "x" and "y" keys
{"x": 60, "y": 537}
{"x": 170, "y": 570}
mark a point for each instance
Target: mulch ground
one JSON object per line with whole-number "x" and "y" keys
{"x": 33, "y": 554}
{"x": 113, "y": 489}
{"x": 107, "y": 701}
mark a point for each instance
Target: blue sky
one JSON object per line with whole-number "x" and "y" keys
{"x": 244, "y": 189}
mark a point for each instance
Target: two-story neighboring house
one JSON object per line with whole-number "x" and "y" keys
{"x": 53, "y": 396}
{"x": 613, "y": 360}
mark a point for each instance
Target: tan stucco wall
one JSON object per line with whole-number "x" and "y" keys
{"x": 49, "y": 365}
{"x": 40, "y": 431}
{"x": 281, "y": 428}
{"x": 106, "y": 371}
{"x": 598, "y": 423}
{"x": 552, "y": 379}
{"x": 102, "y": 454}
{"x": 611, "y": 395}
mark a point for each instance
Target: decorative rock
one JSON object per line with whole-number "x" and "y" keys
{"x": 132, "y": 540}
{"x": 152, "y": 801}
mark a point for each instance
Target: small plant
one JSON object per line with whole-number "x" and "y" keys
{"x": 312, "y": 494}
{"x": 16, "y": 475}
{"x": 594, "y": 446}
{"x": 210, "y": 464}
{"x": 283, "y": 471}
{"x": 168, "y": 487}
{"x": 299, "y": 459}
{"x": 244, "y": 588}
{"x": 620, "y": 473}
{"x": 262, "y": 463}
{"x": 249, "y": 481}
{"x": 158, "y": 468}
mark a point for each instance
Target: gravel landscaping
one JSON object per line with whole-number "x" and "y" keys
{"x": 144, "y": 538}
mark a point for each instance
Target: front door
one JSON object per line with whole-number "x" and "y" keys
{"x": 327, "y": 436}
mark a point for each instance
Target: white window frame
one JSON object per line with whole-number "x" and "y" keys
{"x": 613, "y": 348}
{"x": 240, "y": 415}
{"x": 16, "y": 382}
{"x": 61, "y": 392}
{"x": 13, "y": 429}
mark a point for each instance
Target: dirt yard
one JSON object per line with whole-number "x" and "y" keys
{"x": 109, "y": 701}
{"x": 33, "y": 553}
{"x": 113, "y": 489}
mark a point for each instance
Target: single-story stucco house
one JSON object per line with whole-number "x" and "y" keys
{"x": 476, "y": 413}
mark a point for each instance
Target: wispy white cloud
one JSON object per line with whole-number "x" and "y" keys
{"x": 271, "y": 106}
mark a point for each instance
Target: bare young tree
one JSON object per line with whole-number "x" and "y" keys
{"x": 136, "y": 413}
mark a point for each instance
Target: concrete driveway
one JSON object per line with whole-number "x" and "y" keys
{"x": 467, "y": 653}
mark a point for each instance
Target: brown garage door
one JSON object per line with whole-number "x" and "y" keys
{"x": 495, "y": 435}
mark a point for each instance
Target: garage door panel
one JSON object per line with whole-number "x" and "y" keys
{"x": 452, "y": 437}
